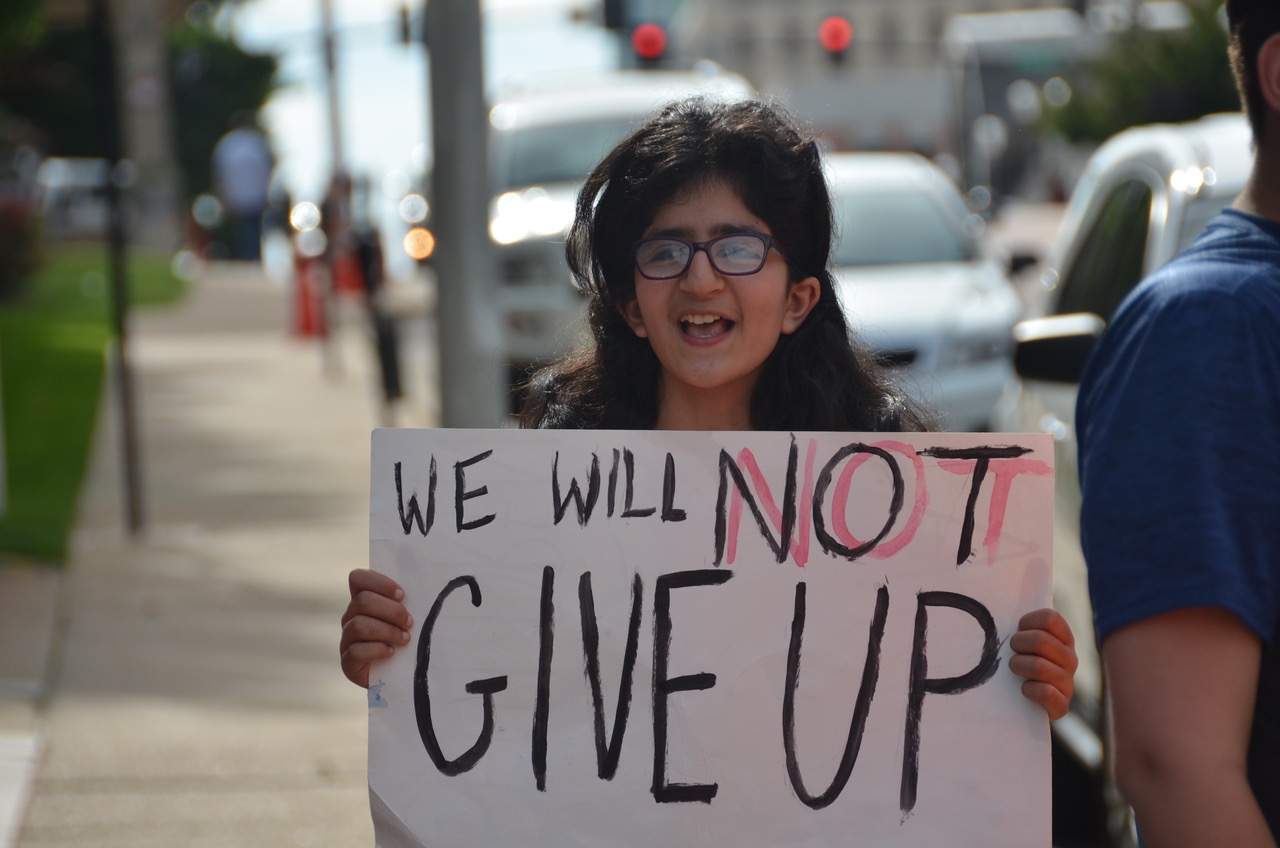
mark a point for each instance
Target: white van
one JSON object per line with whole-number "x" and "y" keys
{"x": 545, "y": 139}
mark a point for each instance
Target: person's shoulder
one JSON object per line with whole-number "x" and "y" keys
{"x": 1244, "y": 231}
{"x": 1235, "y": 247}
{"x": 1216, "y": 304}
{"x": 1233, "y": 266}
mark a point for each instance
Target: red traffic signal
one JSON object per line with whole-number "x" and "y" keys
{"x": 649, "y": 41}
{"x": 835, "y": 34}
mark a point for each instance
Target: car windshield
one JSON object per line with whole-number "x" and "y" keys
{"x": 893, "y": 227}
{"x": 554, "y": 153}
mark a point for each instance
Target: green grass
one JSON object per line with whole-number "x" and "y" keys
{"x": 52, "y": 345}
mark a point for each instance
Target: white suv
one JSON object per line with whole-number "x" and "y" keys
{"x": 545, "y": 140}
{"x": 1143, "y": 198}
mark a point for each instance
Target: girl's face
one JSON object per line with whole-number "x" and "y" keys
{"x": 712, "y": 331}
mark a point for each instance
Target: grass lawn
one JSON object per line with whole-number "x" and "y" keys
{"x": 52, "y": 364}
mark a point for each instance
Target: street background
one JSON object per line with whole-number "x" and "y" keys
{"x": 177, "y": 682}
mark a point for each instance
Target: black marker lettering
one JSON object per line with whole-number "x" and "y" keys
{"x": 921, "y": 684}
{"x": 982, "y": 457}
{"x": 829, "y": 543}
{"x": 664, "y": 792}
{"x": 866, "y": 691}
{"x": 607, "y": 754}
{"x": 628, "y": 511}
{"x": 415, "y": 516}
{"x": 613, "y": 481}
{"x": 422, "y": 691}
{"x": 729, "y": 468}
{"x": 561, "y": 504}
{"x": 460, "y": 483}
{"x": 669, "y": 510}
{"x": 542, "y": 707}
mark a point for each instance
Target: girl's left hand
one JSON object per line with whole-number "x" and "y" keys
{"x": 1045, "y": 654}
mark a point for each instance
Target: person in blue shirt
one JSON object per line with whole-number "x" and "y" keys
{"x": 1179, "y": 423}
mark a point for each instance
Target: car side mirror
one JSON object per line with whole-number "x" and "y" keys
{"x": 1055, "y": 349}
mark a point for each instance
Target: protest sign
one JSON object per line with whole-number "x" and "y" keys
{"x": 709, "y": 639}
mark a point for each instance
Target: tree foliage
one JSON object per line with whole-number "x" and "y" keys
{"x": 20, "y": 24}
{"x": 50, "y": 86}
{"x": 47, "y": 81}
{"x": 1148, "y": 76}
{"x": 213, "y": 80}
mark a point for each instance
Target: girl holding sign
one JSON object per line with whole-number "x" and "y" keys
{"x": 703, "y": 241}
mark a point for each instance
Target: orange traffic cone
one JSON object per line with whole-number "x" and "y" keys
{"x": 308, "y": 301}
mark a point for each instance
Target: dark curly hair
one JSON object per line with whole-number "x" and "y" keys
{"x": 1251, "y": 23}
{"x": 815, "y": 379}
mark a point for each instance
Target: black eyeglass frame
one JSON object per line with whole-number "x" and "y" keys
{"x": 695, "y": 246}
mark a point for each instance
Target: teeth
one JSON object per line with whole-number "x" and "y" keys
{"x": 700, "y": 319}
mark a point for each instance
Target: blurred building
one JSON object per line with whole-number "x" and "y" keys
{"x": 920, "y": 75}
{"x": 886, "y": 91}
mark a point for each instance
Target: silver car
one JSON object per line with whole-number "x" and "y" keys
{"x": 919, "y": 287}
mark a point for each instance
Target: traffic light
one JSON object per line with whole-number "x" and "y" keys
{"x": 835, "y": 34}
{"x": 648, "y": 42}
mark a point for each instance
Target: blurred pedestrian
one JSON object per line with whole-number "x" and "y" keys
{"x": 367, "y": 249}
{"x": 1178, "y": 419}
{"x": 242, "y": 166}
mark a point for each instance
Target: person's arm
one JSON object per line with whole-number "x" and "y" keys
{"x": 1182, "y": 687}
{"x": 1045, "y": 654}
{"x": 375, "y": 624}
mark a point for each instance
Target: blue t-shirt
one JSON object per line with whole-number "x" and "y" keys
{"x": 1178, "y": 419}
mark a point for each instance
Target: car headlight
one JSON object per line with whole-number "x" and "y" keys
{"x": 525, "y": 214}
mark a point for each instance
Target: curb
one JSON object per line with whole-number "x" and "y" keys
{"x": 28, "y": 616}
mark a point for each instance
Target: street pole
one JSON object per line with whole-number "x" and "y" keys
{"x": 104, "y": 55}
{"x": 472, "y": 381}
{"x": 335, "y": 198}
{"x": 330, "y": 49}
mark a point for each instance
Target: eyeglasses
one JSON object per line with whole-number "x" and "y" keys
{"x": 736, "y": 255}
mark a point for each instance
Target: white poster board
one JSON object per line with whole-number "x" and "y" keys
{"x": 709, "y": 639}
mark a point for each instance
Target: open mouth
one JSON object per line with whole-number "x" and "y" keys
{"x": 705, "y": 326}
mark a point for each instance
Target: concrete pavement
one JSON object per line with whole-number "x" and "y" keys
{"x": 182, "y": 688}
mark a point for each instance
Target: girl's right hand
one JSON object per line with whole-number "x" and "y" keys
{"x": 375, "y": 624}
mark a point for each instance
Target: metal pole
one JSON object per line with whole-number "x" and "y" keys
{"x": 472, "y": 379}
{"x": 335, "y": 205}
{"x": 329, "y": 45}
{"x": 107, "y": 95}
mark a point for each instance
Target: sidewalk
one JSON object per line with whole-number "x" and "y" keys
{"x": 183, "y": 688}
